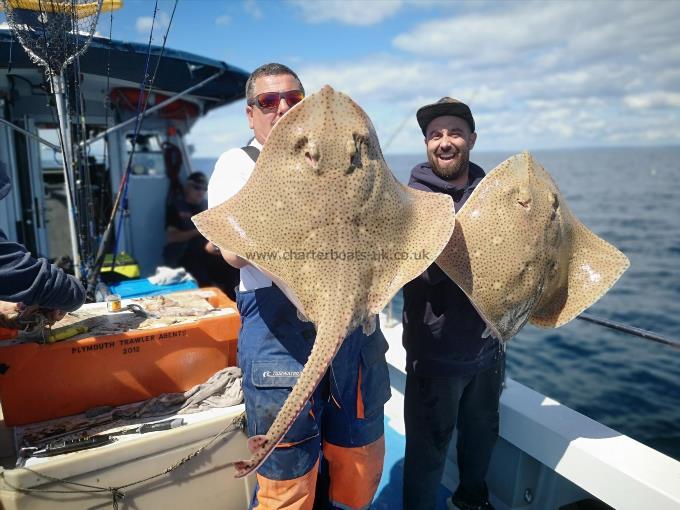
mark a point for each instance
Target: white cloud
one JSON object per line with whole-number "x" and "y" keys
{"x": 373, "y": 78}
{"x": 661, "y": 135}
{"x": 348, "y": 12}
{"x": 160, "y": 25}
{"x": 551, "y": 34}
{"x": 225, "y": 19}
{"x": 488, "y": 37}
{"x": 536, "y": 75}
{"x": 252, "y": 8}
{"x": 219, "y": 131}
{"x": 656, "y": 99}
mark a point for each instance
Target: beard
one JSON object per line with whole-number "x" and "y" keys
{"x": 456, "y": 169}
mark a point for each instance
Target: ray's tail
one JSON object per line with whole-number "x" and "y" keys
{"x": 329, "y": 337}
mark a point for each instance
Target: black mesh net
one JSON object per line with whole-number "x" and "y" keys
{"x": 53, "y": 32}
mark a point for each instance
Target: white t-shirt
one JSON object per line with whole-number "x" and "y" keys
{"x": 232, "y": 171}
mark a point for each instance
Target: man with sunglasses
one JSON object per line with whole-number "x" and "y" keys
{"x": 454, "y": 370}
{"x": 343, "y": 421}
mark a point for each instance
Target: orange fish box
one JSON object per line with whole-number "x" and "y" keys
{"x": 124, "y": 358}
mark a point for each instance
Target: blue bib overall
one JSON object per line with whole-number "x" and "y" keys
{"x": 344, "y": 415}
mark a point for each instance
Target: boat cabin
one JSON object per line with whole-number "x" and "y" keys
{"x": 108, "y": 89}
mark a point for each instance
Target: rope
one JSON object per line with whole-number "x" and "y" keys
{"x": 117, "y": 493}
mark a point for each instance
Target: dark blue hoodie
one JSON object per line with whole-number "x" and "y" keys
{"x": 25, "y": 279}
{"x": 442, "y": 330}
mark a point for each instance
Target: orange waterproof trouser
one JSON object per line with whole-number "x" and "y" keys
{"x": 295, "y": 494}
{"x": 354, "y": 472}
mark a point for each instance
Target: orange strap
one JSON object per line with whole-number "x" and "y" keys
{"x": 355, "y": 473}
{"x": 360, "y": 399}
{"x": 295, "y": 494}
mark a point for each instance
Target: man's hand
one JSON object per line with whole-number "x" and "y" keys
{"x": 211, "y": 248}
{"x": 230, "y": 258}
{"x": 30, "y": 313}
{"x": 7, "y": 308}
{"x": 54, "y": 315}
{"x": 488, "y": 332}
{"x": 234, "y": 260}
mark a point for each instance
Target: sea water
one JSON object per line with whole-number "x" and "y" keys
{"x": 631, "y": 198}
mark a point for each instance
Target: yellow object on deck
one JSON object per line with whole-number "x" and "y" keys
{"x": 126, "y": 265}
{"x": 66, "y": 332}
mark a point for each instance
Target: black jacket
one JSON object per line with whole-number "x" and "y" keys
{"x": 442, "y": 330}
{"x": 25, "y": 279}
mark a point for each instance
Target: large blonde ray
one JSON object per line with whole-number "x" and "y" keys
{"x": 520, "y": 254}
{"x": 323, "y": 214}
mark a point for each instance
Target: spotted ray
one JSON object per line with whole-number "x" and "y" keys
{"x": 323, "y": 214}
{"x": 521, "y": 255}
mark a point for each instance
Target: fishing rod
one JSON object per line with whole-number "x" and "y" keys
{"x": 142, "y": 104}
{"x": 631, "y": 330}
{"x": 618, "y": 326}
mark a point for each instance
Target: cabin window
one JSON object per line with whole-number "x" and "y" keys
{"x": 148, "y": 157}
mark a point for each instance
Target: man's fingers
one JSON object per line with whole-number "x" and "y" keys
{"x": 55, "y": 315}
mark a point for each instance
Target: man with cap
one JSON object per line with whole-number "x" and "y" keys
{"x": 30, "y": 283}
{"x": 454, "y": 369}
{"x": 186, "y": 247}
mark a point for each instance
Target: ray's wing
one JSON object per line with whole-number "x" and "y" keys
{"x": 520, "y": 255}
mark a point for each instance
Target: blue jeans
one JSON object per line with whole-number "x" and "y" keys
{"x": 273, "y": 346}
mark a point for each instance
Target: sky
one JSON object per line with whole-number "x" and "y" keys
{"x": 536, "y": 74}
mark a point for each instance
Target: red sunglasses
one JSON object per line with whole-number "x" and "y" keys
{"x": 271, "y": 100}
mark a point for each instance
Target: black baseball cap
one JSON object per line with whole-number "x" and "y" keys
{"x": 445, "y": 106}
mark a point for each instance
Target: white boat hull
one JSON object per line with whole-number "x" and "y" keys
{"x": 203, "y": 482}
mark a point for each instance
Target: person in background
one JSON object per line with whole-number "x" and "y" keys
{"x": 186, "y": 247}
{"x": 454, "y": 370}
{"x": 344, "y": 417}
{"x": 29, "y": 284}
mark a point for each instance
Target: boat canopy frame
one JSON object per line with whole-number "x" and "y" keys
{"x": 124, "y": 62}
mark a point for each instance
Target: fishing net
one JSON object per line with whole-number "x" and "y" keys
{"x": 53, "y": 32}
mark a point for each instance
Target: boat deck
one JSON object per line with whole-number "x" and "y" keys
{"x": 389, "y": 494}
{"x": 547, "y": 455}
